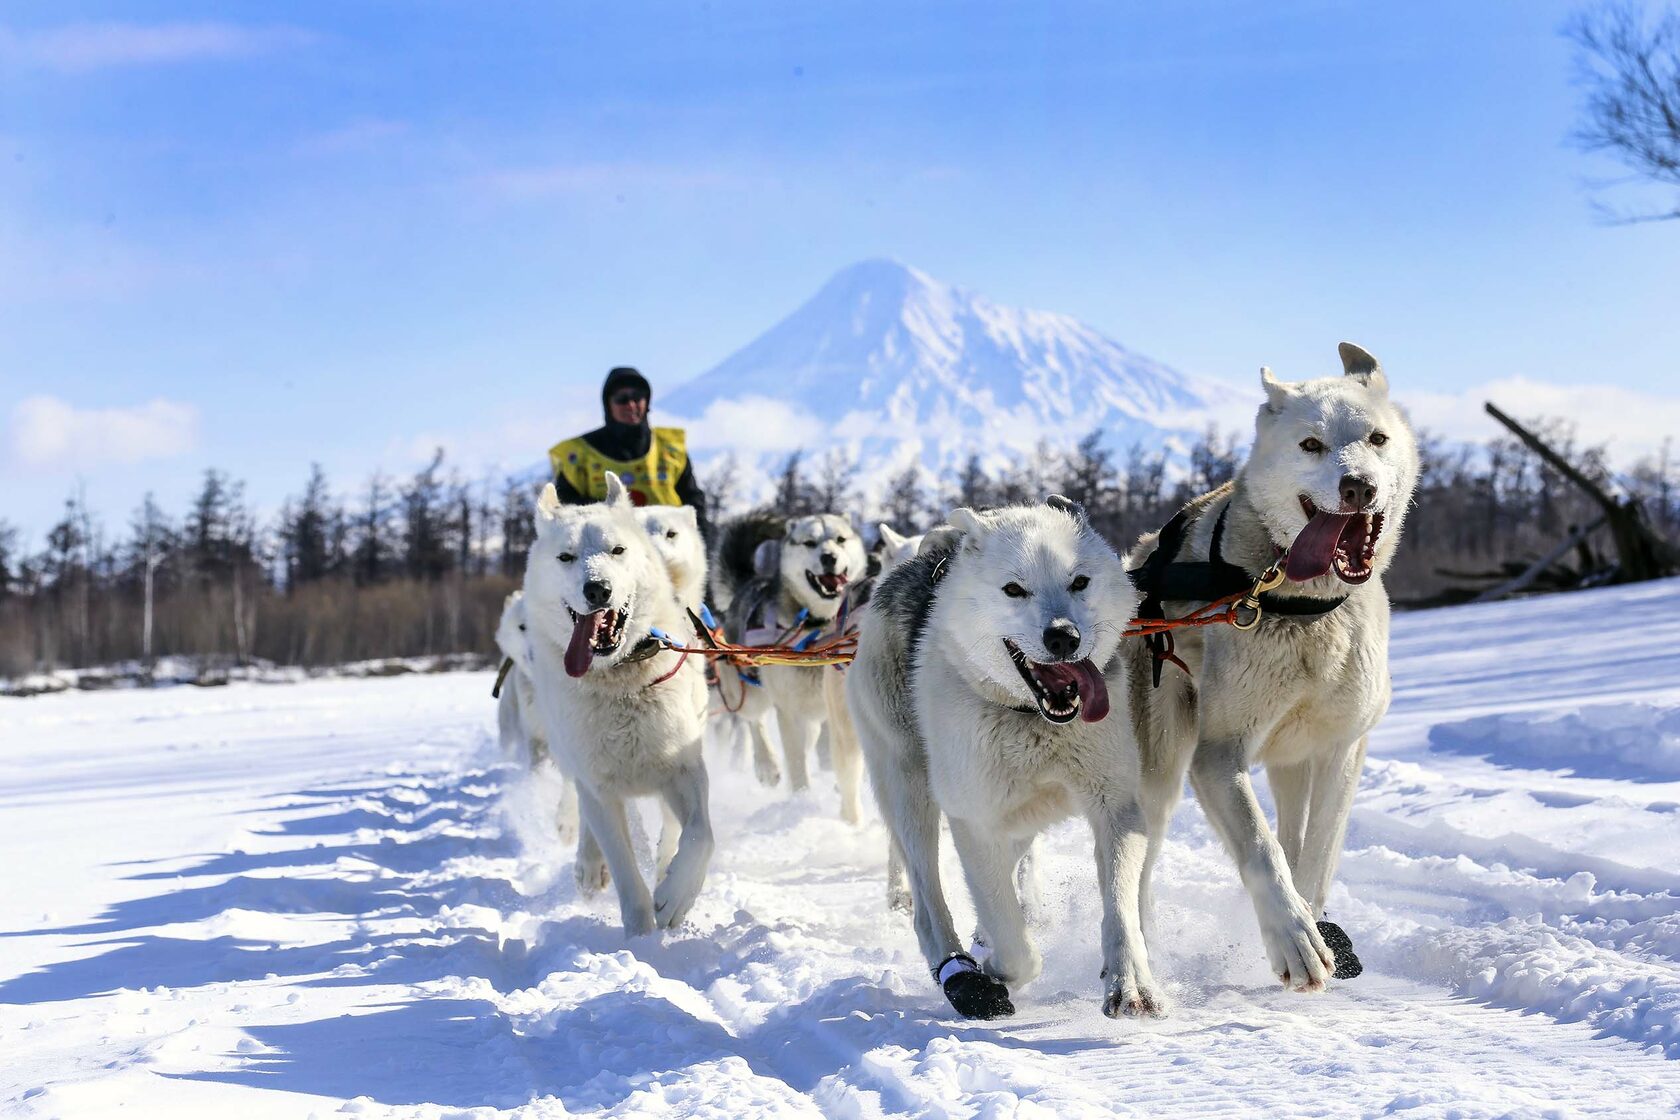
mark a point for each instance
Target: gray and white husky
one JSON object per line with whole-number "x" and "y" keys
{"x": 1329, "y": 478}
{"x": 982, "y": 688}
{"x": 800, "y": 594}
{"x": 623, "y": 717}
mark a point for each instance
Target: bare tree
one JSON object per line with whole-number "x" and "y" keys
{"x": 1631, "y": 68}
{"x": 9, "y": 559}
{"x": 905, "y": 504}
{"x": 835, "y": 490}
{"x": 723, "y": 487}
{"x": 519, "y": 511}
{"x": 974, "y": 488}
{"x": 792, "y": 495}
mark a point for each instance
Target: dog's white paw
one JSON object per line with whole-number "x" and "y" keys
{"x": 672, "y": 904}
{"x": 769, "y": 775}
{"x": 1295, "y": 946}
{"x": 898, "y": 898}
{"x": 592, "y": 876}
{"x": 1132, "y": 1000}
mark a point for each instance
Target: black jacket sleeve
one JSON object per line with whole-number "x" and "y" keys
{"x": 567, "y": 494}
{"x": 688, "y": 490}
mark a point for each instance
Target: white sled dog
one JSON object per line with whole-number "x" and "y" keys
{"x": 794, "y": 588}
{"x": 896, "y": 548}
{"x": 675, "y": 532}
{"x": 981, "y": 689}
{"x": 622, "y": 715}
{"x": 1330, "y": 476}
{"x": 517, "y": 721}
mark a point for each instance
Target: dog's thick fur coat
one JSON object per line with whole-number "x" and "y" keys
{"x": 949, "y": 721}
{"x": 1296, "y": 694}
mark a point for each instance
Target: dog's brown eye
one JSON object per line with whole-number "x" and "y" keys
{"x": 1378, "y": 438}
{"x": 1079, "y": 583}
{"x": 839, "y": 540}
{"x": 1015, "y": 591}
{"x": 670, "y": 534}
{"x": 1311, "y": 446}
{"x": 567, "y": 558}
{"x": 618, "y": 550}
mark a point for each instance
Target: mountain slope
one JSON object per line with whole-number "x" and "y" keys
{"x": 897, "y": 364}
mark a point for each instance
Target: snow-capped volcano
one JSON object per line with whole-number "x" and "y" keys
{"x": 893, "y": 364}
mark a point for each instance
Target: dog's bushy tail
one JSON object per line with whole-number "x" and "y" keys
{"x": 732, "y": 566}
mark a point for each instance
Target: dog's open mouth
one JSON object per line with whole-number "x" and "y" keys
{"x": 1062, "y": 689}
{"x": 829, "y": 585}
{"x": 597, "y": 633}
{"x": 1346, "y": 542}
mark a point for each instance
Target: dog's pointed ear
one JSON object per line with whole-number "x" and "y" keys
{"x": 767, "y": 557}
{"x": 937, "y": 539}
{"x": 1276, "y": 391}
{"x": 1068, "y": 506}
{"x": 1358, "y": 362}
{"x": 548, "y": 507}
{"x": 890, "y": 536}
{"x": 617, "y": 495}
{"x": 690, "y": 516}
{"x": 970, "y": 524}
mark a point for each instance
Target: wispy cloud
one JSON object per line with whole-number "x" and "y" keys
{"x": 607, "y": 178}
{"x": 752, "y": 425}
{"x": 82, "y": 47}
{"x": 51, "y": 434}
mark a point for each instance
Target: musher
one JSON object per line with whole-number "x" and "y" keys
{"x": 652, "y": 462}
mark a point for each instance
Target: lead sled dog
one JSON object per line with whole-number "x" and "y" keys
{"x": 622, "y": 715}
{"x": 1329, "y": 478}
{"x": 985, "y": 671}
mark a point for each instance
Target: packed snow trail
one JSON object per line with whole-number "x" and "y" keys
{"x": 333, "y": 897}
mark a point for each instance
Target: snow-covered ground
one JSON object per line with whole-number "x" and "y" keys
{"x": 332, "y": 897}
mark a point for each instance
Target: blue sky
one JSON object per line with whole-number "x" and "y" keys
{"x": 252, "y": 236}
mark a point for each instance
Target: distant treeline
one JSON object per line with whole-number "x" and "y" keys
{"x": 399, "y": 569}
{"x": 420, "y": 566}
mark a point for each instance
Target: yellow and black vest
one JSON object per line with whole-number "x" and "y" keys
{"x": 651, "y": 480}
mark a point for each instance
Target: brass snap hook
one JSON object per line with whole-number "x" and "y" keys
{"x": 1246, "y": 614}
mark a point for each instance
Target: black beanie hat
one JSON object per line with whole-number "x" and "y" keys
{"x": 625, "y": 377}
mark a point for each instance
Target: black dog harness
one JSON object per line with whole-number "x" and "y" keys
{"x": 1163, "y": 578}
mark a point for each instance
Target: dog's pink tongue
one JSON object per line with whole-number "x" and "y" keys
{"x": 580, "y": 651}
{"x": 1314, "y": 549}
{"x": 1093, "y": 692}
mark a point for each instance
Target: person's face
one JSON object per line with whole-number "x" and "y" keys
{"x": 628, "y": 406}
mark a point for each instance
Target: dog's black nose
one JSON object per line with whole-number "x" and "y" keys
{"x": 1357, "y": 493}
{"x": 596, "y": 593}
{"x": 1061, "y": 639}
{"x": 828, "y": 561}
